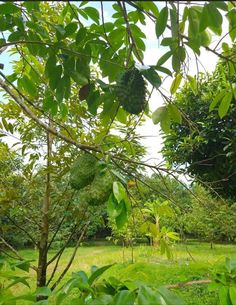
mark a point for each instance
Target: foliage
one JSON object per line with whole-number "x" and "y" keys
{"x": 66, "y": 65}
{"x": 210, "y": 218}
{"x": 225, "y": 282}
{"x": 160, "y": 235}
{"x": 203, "y": 142}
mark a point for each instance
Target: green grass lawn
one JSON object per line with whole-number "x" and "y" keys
{"x": 149, "y": 266}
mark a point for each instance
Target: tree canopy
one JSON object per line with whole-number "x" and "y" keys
{"x": 204, "y": 142}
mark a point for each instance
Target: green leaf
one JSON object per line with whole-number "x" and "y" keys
{"x": 164, "y": 58}
{"x": 176, "y": 83}
{"x": 55, "y": 76}
{"x": 121, "y": 219}
{"x": 80, "y": 36}
{"x": 230, "y": 264}
{"x": 221, "y": 5}
{"x": 217, "y": 98}
{"x": 119, "y": 191}
{"x": 169, "y": 297}
{"x": 79, "y": 78}
{"x": 43, "y": 291}
{"x": 70, "y": 29}
{"x": 61, "y": 88}
{"x": 113, "y": 207}
{"x": 215, "y": 18}
{"x": 149, "y": 296}
{"x": 174, "y": 23}
{"x": 92, "y": 13}
{"x": 224, "y": 105}
{"x": 28, "y": 85}
{"x": 175, "y": 114}
{"x": 231, "y": 16}
{"x": 158, "y": 114}
{"x": 204, "y": 20}
{"x": 161, "y": 21}
{"x": 95, "y": 275}
{"x": 124, "y": 297}
{"x": 194, "y": 21}
{"x": 122, "y": 116}
{"x": 152, "y": 76}
{"x": 50, "y": 66}
{"x": 164, "y": 70}
{"x": 17, "y": 280}
{"x": 205, "y": 38}
{"x": 9, "y": 8}
{"x": 232, "y": 294}
{"x": 193, "y": 84}
{"x": 23, "y": 265}
{"x": 176, "y": 63}
{"x": 104, "y": 299}
{"x": 224, "y": 296}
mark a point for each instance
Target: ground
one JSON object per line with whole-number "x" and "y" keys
{"x": 192, "y": 261}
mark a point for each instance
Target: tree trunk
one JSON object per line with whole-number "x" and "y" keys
{"x": 156, "y": 239}
{"x": 43, "y": 243}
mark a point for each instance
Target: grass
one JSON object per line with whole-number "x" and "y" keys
{"x": 197, "y": 261}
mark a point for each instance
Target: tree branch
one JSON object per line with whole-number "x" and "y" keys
{"x": 71, "y": 259}
{"x": 52, "y": 130}
{"x": 22, "y": 229}
{"x": 190, "y": 283}
{"x": 15, "y": 252}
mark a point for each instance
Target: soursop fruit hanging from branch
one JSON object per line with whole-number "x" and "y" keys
{"x": 83, "y": 171}
{"x": 130, "y": 91}
{"x": 98, "y": 191}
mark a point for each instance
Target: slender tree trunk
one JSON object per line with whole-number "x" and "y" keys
{"x": 43, "y": 243}
{"x": 156, "y": 240}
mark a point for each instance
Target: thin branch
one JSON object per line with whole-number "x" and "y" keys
{"x": 124, "y": 11}
{"x": 63, "y": 247}
{"x": 190, "y": 283}
{"x": 22, "y": 229}
{"x": 71, "y": 259}
{"x": 52, "y": 130}
{"x": 50, "y": 44}
{"x": 15, "y": 252}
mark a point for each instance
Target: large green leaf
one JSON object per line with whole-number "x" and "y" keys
{"x": 92, "y": 13}
{"x": 225, "y": 103}
{"x": 124, "y": 297}
{"x": 95, "y": 275}
{"x": 161, "y": 21}
{"x": 176, "y": 83}
{"x": 121, "y": 219}
{"x": 232, "y": 294}
{"x": 152, "y": 76}
{"x": 9, "y": 8}
{"x": 164, "y": 58}
{"x": 119, "y": 191}
{"x": 175, "y": 114}
{"x": 149, "y": 296}
{"x": 169, "y": 297}
{"x": 70, "y": 29}
{"x": 158, "y": 114}
{"x": 217, "y": 99}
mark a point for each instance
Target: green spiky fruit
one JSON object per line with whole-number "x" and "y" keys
{"x": 83, "y": 171}
{"x": 131, "y": 91}
{"x": 98, "y": 191}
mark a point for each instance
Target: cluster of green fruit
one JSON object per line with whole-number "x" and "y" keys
{"x": 94, "y": 184}
{"x": 131, "y": 91}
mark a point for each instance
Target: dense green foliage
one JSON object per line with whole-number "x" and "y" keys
{"x": 204, "y": 143}
{"x": 78, "y": 86}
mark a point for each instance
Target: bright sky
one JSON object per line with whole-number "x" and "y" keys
{"x": 153, "y": 52}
